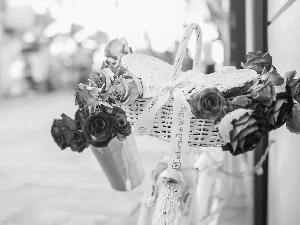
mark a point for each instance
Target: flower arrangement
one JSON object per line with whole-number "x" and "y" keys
{"x": 242, "y": 114}
{"x": 266, "y": 104}
{"x": 100, "y": 117}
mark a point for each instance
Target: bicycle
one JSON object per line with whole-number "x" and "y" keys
{"x": 175, "y": 180}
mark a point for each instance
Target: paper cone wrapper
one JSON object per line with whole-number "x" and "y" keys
{"x": 121, "y": 162}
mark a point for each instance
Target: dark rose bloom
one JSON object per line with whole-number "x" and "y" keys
{"x": 282, "y": 110}
{"x": 61, "y": 134}
{"x": 120, "y": 124}
{"x": 78, "y": 143}
{"x": 98, "y": 129}
{"x": 208, "y": 104}
{"x": 80, "y": 117}
{"x": 258, "y": 61}
{"x": 246, "y": 133}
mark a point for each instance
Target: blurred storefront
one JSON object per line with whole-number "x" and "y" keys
{"x": 52, "y": 45}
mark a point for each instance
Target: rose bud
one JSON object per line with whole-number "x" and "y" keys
{"x": 120, "y": 124}
{"x": 61, "y": 134}
{"x": 78, "y": 143}
{"x": 98, "y": 129}
{"x": 208, "y": 104}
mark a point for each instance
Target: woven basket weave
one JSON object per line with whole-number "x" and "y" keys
{"x": 153, "y": 73}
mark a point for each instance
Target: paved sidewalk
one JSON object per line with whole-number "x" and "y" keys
{"x": 42, "y": 185}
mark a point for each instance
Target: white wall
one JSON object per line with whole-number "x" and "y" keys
{"x": 284, "y": 156}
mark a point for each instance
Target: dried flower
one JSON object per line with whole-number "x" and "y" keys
{"x": 86, "y": 95}
{"x": 125, "y": 90}
{"x": 258, "y": 61}
{"x": 263, "y": 91}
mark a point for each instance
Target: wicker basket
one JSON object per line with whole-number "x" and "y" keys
{"x": 153, "y": 73}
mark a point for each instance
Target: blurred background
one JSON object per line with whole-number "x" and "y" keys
{"x": 47, "y": 47}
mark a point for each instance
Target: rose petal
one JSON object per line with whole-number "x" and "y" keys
{"x": 242, "y": 101}
{"x": 70, "y": 123}
{"x": 245, "y": 132}
{"x": 289, "y": 75}
{"x": 239, "y": 128}
{"x": 225, "y": 126}
{"x": 241, "y": 120}
{"x": 234, "y": 144}
{"x": 293, "y": 124}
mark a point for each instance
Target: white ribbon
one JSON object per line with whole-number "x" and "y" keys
{"x": 180, "y": 123}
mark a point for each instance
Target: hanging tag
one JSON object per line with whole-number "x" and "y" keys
{"x": 179, "y": 134}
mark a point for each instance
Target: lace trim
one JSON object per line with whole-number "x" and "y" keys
{"x": 167, "y": 203}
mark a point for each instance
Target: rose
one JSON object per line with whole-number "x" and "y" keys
{"x": 65, "y": 134}
{"x": 242, "y": 130}
{"x": 258, "y": 61}
{"x": 115, "y": 49}
{"x": 282, "y": 110}
{"x": 78, "y": 143}
{"x": 120, "y": 124}
{"x": 125, "y": 90}
{"x": 61, "y": 134}
{"x": 61, "y": 131}
{"x": 98, "y": 129}
{"x": 293, "y": 84}
{"x": 263, "y": 91}
{"x": 208, "y": 104}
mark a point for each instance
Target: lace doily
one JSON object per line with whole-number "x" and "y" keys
{"x": 167, "y": 203}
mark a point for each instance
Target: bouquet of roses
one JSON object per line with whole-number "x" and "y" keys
{"x": 100, "y": 117}
{"x": 245, "y": 114}
{"x": 101, "y": 123}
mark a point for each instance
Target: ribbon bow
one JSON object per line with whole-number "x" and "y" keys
{"x": 180, "y": 122}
